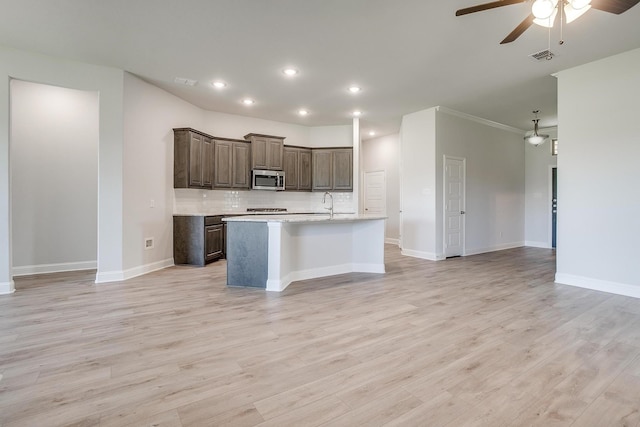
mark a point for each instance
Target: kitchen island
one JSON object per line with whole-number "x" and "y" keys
{"x": 271, "y": 251}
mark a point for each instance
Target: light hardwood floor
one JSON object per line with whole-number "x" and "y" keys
{"x": 486, "y": 340}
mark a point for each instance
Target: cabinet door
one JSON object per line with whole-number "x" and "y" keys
{"x": 304, "y": 170}
{"x": 259, "y": 153}
{"x": 195, "y": 160}
{"x": 223, "y": 162}
{"x": 290, "y": 168}
{"x": 207, "y": 162}
{"x": 275, "y": 149}
{"x": 322, "y": 170}
{"x": 240, "y": 165}
{"x": 214, "y": 240}
{"x": 343, "y": 169}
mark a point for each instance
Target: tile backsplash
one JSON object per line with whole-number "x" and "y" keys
{"x": 193, "y": 201}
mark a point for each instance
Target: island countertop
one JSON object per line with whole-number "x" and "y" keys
{"x": 301, "y": 218}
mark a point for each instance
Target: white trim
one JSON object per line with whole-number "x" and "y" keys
{"x": 27, "y": 270}
{"x": 480, "y": 120}
{"x": 118, "y": 276}
{"x": 422, "y": 255}
{"x": 392, "y": 241}
{"x": 500, "y": 247}
{"x": 109, "y": 276}
{"x": 533, "y": 244}
{"x": 7, "y": 288}
{"x": 273, "y": 285}
{"x": 598, "y": 285}
{"x": 550, "y": 206}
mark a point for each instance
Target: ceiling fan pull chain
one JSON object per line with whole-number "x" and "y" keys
{"x": 562, "y": 18}
{"x": 549, "y": 56}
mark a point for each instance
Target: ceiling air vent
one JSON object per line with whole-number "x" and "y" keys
{"x": 183, "y": 81}
{"x": 543, "y": 54}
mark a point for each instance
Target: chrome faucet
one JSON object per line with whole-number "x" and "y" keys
{"x": 324, "y": 198}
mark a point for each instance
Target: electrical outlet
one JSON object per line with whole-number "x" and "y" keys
{"x": 148, "y": 243}
{"x": 152, "y": 203}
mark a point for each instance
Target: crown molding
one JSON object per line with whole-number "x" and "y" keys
{"x": 480, "y": 120}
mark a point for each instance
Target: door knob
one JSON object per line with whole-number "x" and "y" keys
{"x": 462, "y": 212}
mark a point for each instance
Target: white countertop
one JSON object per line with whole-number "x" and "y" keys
{"x": 245, "y": 213}
{"x": 299, "y": 218}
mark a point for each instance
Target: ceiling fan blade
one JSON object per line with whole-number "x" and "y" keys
{"x": 487, "y": 6}
{"x": 521, "y": 28}
{"x": 614, "y": 6}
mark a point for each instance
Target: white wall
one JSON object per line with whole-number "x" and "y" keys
{"x": 233, "y": 126}
{"x": 109, "y": 83}
{"x": 383, "y": 154}
{"x": 330, "y": 136}
{"x": 150, "y": 115}
{"x": 598, "y": 175}
{"x": 538, "y": 164}
{"x": 495, "y": 181}
{"x": 54, "y": 178}
{"x": 418, "y": 184}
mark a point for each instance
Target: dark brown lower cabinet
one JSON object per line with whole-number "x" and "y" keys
{"x": 197, "y": 240}
{"x": 214, "y": 242}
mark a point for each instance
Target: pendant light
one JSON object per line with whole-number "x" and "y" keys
{"x": 535, "y": 139}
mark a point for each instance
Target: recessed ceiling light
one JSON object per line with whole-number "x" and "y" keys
{"x": 357, "y": 113}
{"x": 290, "y": 72}
{"x": 354, "y": 89}
{"x": 248, "y": 101}
{"x": 218, "y": 84}
{"x": 372, "y": 133}
{"x": 303, "y": 112}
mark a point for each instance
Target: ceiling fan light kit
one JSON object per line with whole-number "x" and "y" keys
{"x": 542, "y": 9}
{"x": 573, "y": 12}
{"x": 544, "y": 12}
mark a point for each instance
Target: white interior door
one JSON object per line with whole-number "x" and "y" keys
{"x": 375, "y": 193}
{"x": 454, "y": 205}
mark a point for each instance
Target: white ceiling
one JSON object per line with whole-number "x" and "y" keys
{"x": 407, "y": 55}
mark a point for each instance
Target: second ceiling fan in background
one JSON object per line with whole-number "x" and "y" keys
{"x": 543, "y": 12}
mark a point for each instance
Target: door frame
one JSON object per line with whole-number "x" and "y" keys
{"x": 550, "y": 208}
{"x": 444, "y": 202}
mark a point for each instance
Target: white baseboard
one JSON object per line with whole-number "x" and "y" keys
{"x": 500, "y": 247}
{"x": 422, "y": 255}
{"x": 392, "y": 241}
{"x": 27, "y": 270}
{"x": 532, "y": 244}
{"x": 7, "y": 288}
{"x": 598, "y": 285}
{"x": 118, "y": 276}
{"x": 294, "y": 276}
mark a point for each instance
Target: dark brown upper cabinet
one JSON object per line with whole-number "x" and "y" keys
{"x": 297, "y": 168}
{"x": 266, "y": 151}
{"x": 332, "y": 169}
{"x": 232, "y": 160}
{"x": 193, "y": 159}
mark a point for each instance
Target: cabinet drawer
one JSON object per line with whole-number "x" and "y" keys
{"x": 213, "y": 220}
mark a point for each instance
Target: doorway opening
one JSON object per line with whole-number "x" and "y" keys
{"x": 53, "y": 146}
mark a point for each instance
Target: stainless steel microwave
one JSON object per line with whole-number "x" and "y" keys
{"x": 267, "y": 180}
